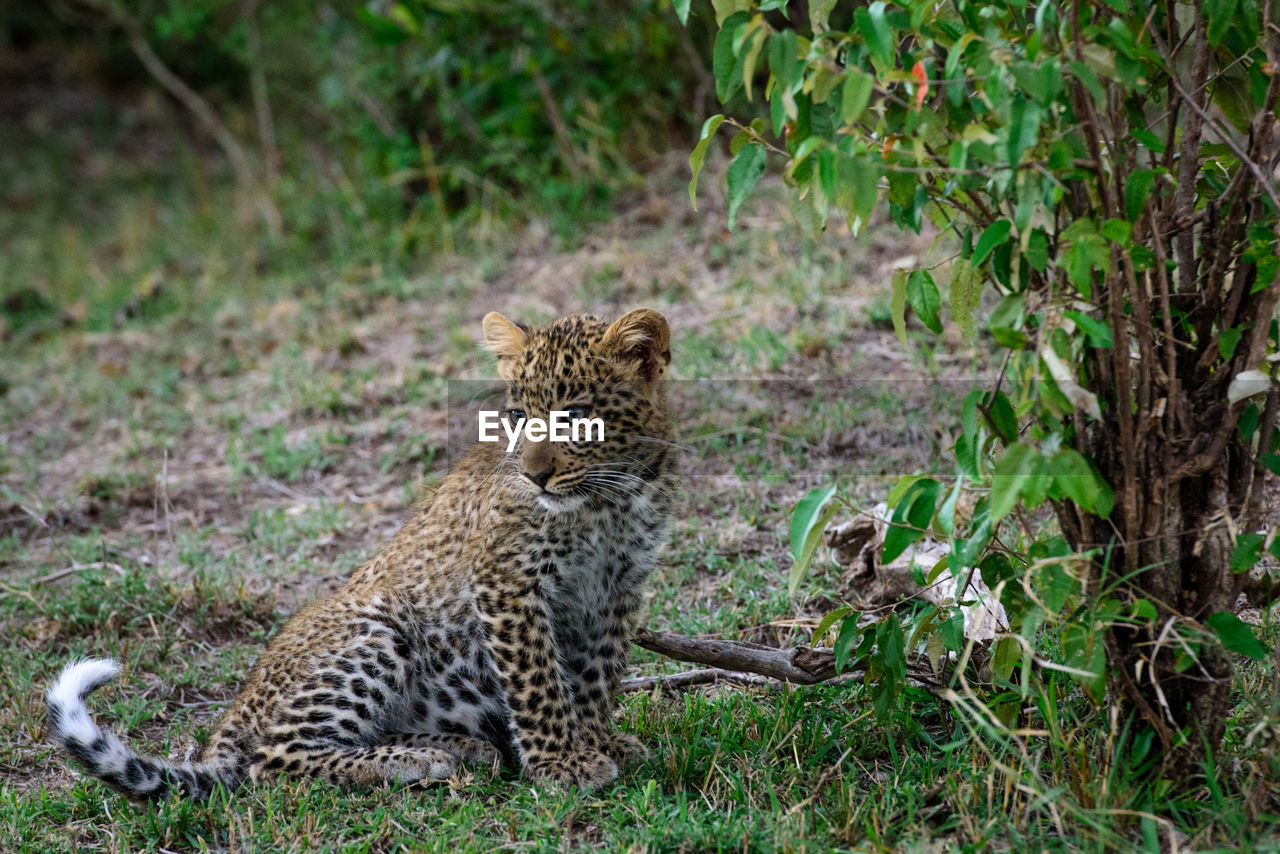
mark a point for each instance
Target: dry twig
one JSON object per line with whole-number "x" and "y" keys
{"x": 800, "y": 665}
{"x": 77, "y": 567}
{"x": 690, "y": 678}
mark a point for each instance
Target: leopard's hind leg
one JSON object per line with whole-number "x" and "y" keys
{"x": 475, "y": 751}
{"x": 351, "y": 767}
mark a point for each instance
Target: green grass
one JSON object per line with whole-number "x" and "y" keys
{"x": 799, "y": 769}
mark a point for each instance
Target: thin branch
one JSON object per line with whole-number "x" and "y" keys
{"x": 800, "y": 665}
{"x": 198, "y": 106}
{"x": 569, "y": 152}
{"x": 261, "y": 98}
{"x": 690, "y": 678}
{"x": 74, "y": 568}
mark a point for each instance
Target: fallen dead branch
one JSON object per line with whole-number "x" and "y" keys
{"x": 74, "y": 568}
{"x": 690, "y": 678}
{"x": 800, "y": 665}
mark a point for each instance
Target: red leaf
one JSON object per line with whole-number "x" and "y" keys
{"x": 922, "y": 87}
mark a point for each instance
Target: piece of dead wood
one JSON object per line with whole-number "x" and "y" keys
{"x": 800, "y": 665}
{"x": 690, "y": 678}
{"x": 79, "y": 567}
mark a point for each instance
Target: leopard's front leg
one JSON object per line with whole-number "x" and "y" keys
{"x": 516, "y": 612}
{"x": 596, "y": 663}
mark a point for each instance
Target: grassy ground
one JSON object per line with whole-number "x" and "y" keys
{"x": 184, "y": 464}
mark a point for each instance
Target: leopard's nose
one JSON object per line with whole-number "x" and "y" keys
{"x": 540, "y": 477}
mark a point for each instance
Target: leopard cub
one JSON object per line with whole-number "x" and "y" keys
{"x": 494, "y": 625}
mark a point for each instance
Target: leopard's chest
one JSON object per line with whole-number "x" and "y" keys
{"x": 599, "y": 559}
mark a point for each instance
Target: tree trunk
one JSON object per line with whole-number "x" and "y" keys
{"x": 1194, "y": 483}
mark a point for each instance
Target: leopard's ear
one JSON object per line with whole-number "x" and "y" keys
{"x": 642, "y": 338}
{"x": 505, "y": 339}
{"x": 502, "y": 336}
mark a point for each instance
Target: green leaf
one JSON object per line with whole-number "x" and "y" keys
{"x": 1272, "y": 463}
{"x": 828, "y": 621}
{"x": 1005, "y": 656}
{"x": 1248, "y": 423}
{"x": 744, "y": 172}
{"x": 1236, "y": 636}
{"x": 900, "y": 489}
{"x": 855, "y": 95}
{"x": 947, "y": 512}
{"x": 943, "y": 565}
{"x": 809, "y": 220}
{"x": 845, "y": 640}
{"x": 749, "y": 57}
{"x": 709, "y": 128}
{"x": 382, "y": 29}
{"x": 1056, "y": 585}
{"x": 1024, "y": 128}
{"x": 888, "y": 666}
{"x": 811, "y": 516}
{"x": 682, "y": 11}
{"x": 1136, "y": 192}
{"x": 1088, "y": 254}
{"x": 923, "y": 295}
{"x": 996, "y": 234}
{"x": 783, "y": 47}
{"x": 1011, "y": 475}
{"x": 910, "y": 518}
{"x": 1030, "y": 81}
{"x": 1037, "y": 253}
{"x": 866, "y": 187}
{"x": 1088, "y": 79}
{"x": 1143, "y": 610}
{"x": 952, "y": 631}
{"x": 873, "y": 25}
{"x": 1083, "y": 649}
{"x": 1227, "y": 341}
{"x": 724, "y": 62}
{"x": 819, "y": 12}
{"x": 1003, "y": 420}
{"x": 1117, "y": 231}
{"x": 1099, "y": 333}
{"x": 1247, "y": 553}
{"x": 1076, "y": 479}
{"x": 727, "y": 9}
{"x": 1005, "y": 322}
{"x": 898, "y": 305}
{"x": 1221, "y": 15}
{"x": 1149, "y": 139}
{"x": 1122, "y": 38}
{"x": 966, "y": 293}
{"x": 401, "y": 15}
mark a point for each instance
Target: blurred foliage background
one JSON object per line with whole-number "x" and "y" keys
{"x": 154, "y": 151}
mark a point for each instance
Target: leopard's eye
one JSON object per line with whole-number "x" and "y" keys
{"x": 577, "y": 412}
{"x": 515, "y": 416}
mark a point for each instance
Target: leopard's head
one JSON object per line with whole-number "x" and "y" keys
{"x": 602, "y": 385}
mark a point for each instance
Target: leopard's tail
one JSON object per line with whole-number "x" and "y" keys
{"x": 108, "y": 758}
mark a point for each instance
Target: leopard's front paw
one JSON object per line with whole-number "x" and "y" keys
{"x": 624, "y": 748}
{"x": 586, "y": 769}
